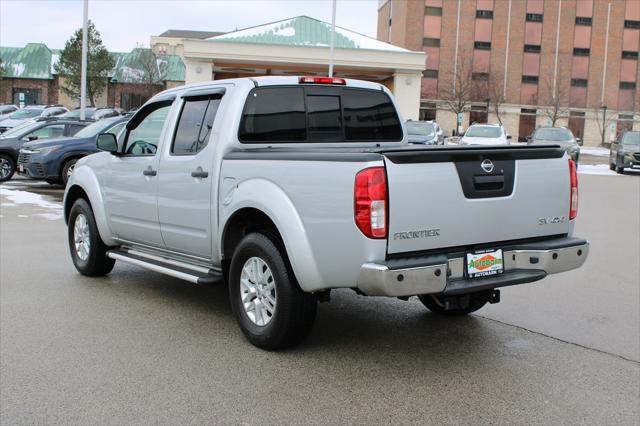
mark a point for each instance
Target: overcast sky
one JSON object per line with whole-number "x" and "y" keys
{"x": 124, "y": 24}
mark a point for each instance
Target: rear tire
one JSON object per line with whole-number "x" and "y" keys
{"x": 7, "y": 167}
{"x": 271, "y": 309}
{"x": 611, "y": 166}
{"x": 459, "y": 305}
{"x": 88, "y": 252}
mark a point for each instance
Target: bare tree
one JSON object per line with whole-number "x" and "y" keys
{"x": 553, "y": 96}
{"x": 495, "y": 94}
{"x": 150, "y": 74}
{"x": 458, "y": 93}
{"x": 604, "y": 119}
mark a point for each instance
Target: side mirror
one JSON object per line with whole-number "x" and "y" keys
{"x": 107, "y": 142}
{"x": 579, "y": 141}
{"x": 30, "y": 138}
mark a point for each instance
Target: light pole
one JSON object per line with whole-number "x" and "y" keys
{"x": 83, "y": 69}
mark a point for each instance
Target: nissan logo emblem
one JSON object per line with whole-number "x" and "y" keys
{"x": 487, "y": 166}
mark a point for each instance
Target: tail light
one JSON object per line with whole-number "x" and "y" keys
{"x": 573, "y": 201}
{"x": 322, "y": 80}
{"x": 370, "y": 198}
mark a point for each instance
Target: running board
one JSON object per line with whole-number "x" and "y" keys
{"x": 174, "y": 268}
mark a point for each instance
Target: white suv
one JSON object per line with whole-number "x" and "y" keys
{"x": 485, "y": 134}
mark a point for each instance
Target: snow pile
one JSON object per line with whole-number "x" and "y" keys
{"x": 595, "y": 151}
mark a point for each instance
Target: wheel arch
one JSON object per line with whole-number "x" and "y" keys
{"x": 84, "y": 184}
{"x": 267, "y": 205}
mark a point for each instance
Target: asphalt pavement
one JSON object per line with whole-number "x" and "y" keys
{"x": 138, "y": 347}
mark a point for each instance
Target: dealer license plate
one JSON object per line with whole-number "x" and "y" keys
{"x": 484, "y": 263}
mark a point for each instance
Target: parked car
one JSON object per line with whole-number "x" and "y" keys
{"x": 625, "y": 152}
{"x": 5, "y": 110}
{"x": 557, "y": 135}
{"x": 485, "y": 134}
{"x": 283, "y": 187}
{"x": 93, "y": 113}
{"x": 424, "y": 132}
{"x": 30, "y": 112}
{"x": 53, "y": 160}
{"x": 12, "y": 140}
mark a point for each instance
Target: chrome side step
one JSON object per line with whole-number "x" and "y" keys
{"x": 174, "y": 268}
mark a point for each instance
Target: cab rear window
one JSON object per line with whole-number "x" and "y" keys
{"x": 294, "y": 114}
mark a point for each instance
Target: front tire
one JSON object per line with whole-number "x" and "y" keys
{"x": 454, "y": 305}
{"x": 88, "y": 252}
{"x": 271, "y": 309}
{"x": 7, "y": 167}
{"x": 67, "y": 170}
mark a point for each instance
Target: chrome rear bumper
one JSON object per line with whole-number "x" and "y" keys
{"x": 445, "y": 273}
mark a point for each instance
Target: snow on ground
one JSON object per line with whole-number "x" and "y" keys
{"x": 594, "y": 150}
{"x": 602, "y": 169}
{"x": 17, "y": 197}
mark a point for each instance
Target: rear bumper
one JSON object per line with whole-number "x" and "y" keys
{"x": 444, "y": 274}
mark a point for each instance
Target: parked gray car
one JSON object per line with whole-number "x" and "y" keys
{"x": 424, "y": 133}
{"x": 557, "y": 135}
{"x": 288, "y": 187}
{"x": 625, "y": 152}
{"x": 28, "y": 113}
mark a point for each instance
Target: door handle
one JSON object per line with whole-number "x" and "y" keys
{"x": 149, "y": 172}
{"x": 199, "y": 173}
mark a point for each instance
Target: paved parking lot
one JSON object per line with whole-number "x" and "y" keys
{"x": 137, "y": 347}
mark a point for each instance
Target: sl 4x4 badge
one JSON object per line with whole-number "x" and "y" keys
{"x": 551, "y": 220}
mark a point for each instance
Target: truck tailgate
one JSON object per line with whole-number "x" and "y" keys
{"x": 450, "y": 197}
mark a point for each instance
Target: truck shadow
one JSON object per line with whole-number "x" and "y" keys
{"x": 348, "y": 324}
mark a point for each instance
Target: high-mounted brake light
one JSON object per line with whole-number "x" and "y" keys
{"x": 573, "y": 201}
{"x": 370, "y": 200}
{"x": 322, "y": 80}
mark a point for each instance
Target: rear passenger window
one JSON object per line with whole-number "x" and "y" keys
{"x": 306, "y": 114}
{"x": 370, "y": 116}
{"x": 274, "y": 114}
{"x": 194, "y": 125}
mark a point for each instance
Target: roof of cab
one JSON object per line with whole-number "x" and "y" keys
{"x": 262, "y": 82}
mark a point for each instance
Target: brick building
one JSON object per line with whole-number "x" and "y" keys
{"x": 29, "y": 77}
{"x": 534, "y": 59}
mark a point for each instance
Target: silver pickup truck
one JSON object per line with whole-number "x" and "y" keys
{"x": 288, "y": 187}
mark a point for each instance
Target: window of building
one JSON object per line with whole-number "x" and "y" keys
{"x": 428, "y": 111}
{"x": 194, "y": 125}
{"x": 627, "y": 85}
{"x": 430, "y": 73}
{"x": 580, "y": 51}
{"x": 484, "y": 14}
{"x": 431, "y": 42}
{"x": 576, "y": 123}
{"x": 625, "y": 123}
{"x": 578, "y": 82}
{"x": 583, "y": 20}
{"x": 631, "y": 24}
{"x": 482, "y": 45}
{"x": 527, "y": 123}
{"x": 480, "y": 76}
{"x": 534, "y": 17}
{"x": 22, "y": 97}
{"x": 281, "y": 115}
{"x": 129, "y": 101}
{"x": 433, "y": 11}
{"x": 478, "y": 114}
{"x": 629, "y": 55}
{"x": 532, "y": 48}
{"x": 530, "y": 79}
